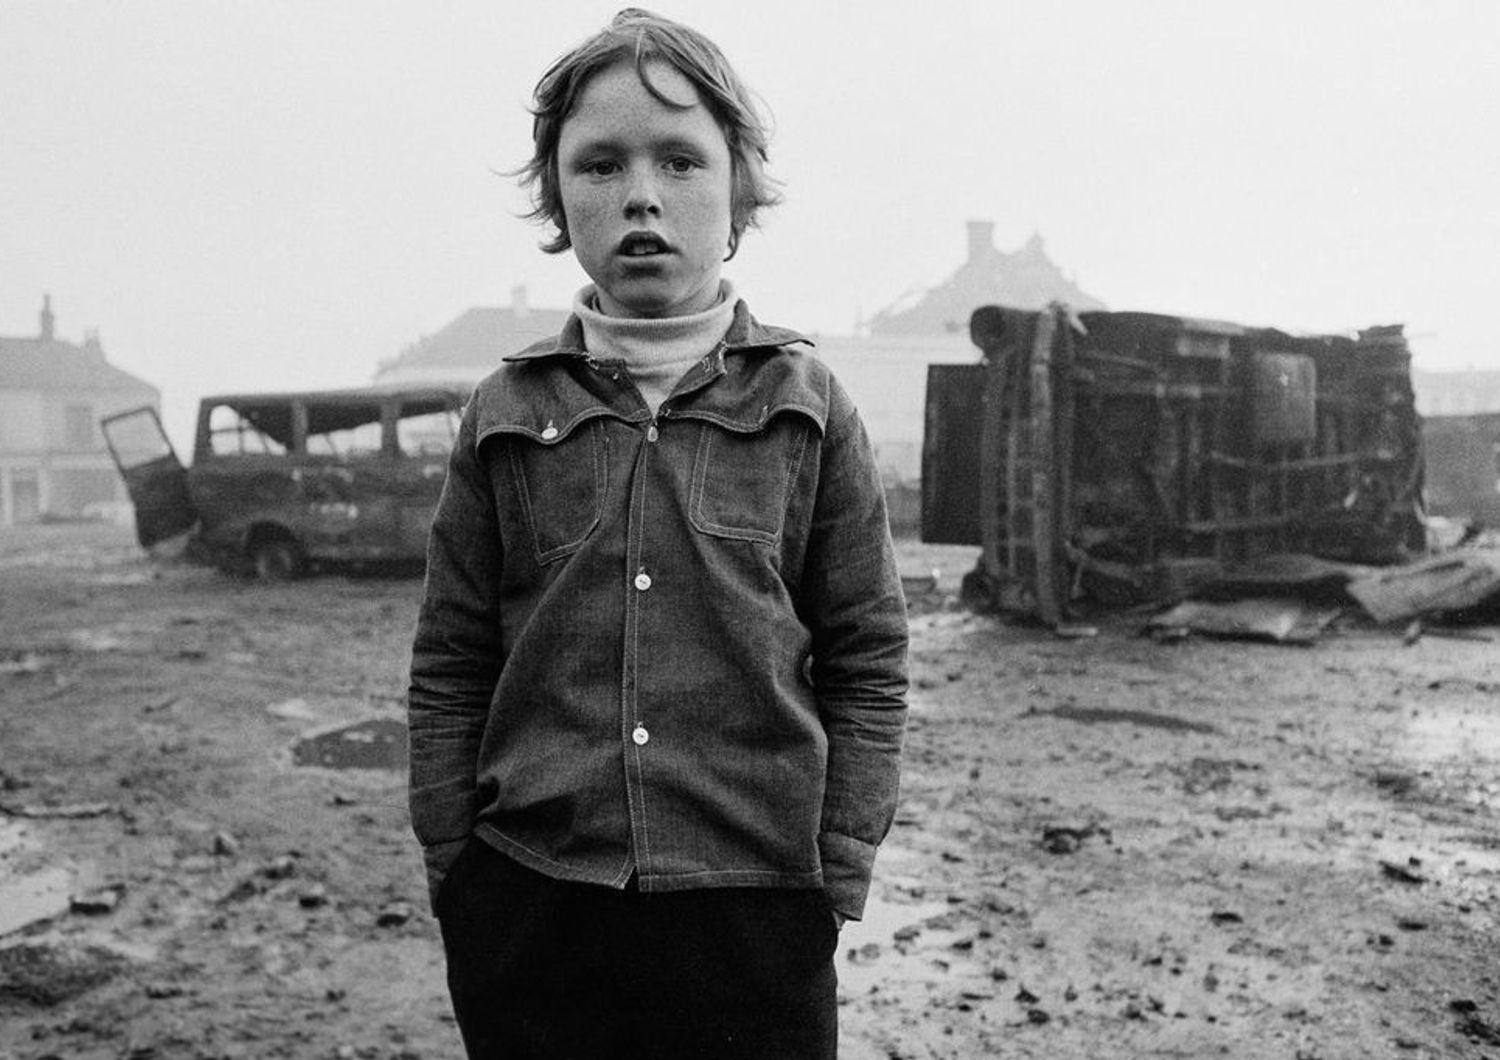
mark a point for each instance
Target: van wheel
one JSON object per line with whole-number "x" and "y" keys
{"x": 276, "y": 559}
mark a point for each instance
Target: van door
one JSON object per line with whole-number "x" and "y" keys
{"x": 154, "y": 477}
{"x": 344, "y": 472}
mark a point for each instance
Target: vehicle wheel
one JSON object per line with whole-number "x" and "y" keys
{"x": 276, "y": 559}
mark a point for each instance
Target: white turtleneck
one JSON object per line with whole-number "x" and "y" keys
{"x": 656, "y": 351}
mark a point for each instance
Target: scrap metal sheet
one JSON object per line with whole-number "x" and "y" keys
{"x": 1451, "y": 581}
{"x": 1268, "y": 618}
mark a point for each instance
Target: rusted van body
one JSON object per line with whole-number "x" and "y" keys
{"x": 1123, "y": 458}
{"x": 283, "y": 482}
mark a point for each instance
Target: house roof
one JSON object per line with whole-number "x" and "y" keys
{"x": 54, "y": 365}
{"x": 477, "y": 339}
{"x": 1025, "y": 279}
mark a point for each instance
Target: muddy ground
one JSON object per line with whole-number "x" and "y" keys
{"x": 1107, "y": 847}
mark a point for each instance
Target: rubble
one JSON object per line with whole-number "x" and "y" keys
{"x": 48, "y": 972}
{"x": 98, "y": 901}
{"x": 394, "y": 915}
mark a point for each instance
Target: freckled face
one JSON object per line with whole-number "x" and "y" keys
{"x": 646, "y": 192}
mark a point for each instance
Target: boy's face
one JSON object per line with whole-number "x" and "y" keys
{"x": 646, "y": 193}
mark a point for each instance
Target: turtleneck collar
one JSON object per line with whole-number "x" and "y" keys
{"x": 656, "y": 351}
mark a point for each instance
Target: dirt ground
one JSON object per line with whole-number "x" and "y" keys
{"x": 1108, "y": 846}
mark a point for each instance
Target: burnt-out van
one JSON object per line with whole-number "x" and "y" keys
{"x": 285, "y": 482}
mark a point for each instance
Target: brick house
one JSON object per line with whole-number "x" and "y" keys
{"x": 53, "y": 460}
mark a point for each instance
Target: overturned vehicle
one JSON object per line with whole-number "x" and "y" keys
{"x": 1127, "y": 458}
{"x": 281, "y": 483}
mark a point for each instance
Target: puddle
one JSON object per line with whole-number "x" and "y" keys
{"x": 27, "y": 899}
{"x": 1110, "y": 716}
{"x": 377, "y": 743}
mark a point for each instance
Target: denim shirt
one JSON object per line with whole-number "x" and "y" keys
{"x": 670, "y": 647}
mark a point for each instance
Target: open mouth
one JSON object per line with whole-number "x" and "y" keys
{"x": 642, "y": 245}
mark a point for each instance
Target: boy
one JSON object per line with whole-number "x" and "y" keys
{"x": 658, "y": 679}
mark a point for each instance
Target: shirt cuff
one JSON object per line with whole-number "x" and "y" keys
{"x": 847, "y": 867}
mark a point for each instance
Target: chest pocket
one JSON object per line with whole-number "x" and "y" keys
{"x": 742, "y": 480}
{"x": 560, "y": 486}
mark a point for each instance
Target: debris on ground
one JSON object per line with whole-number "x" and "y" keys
{"x": 1177, "y": 852}
{"x": 98, "y": 901}
{"x": 49, "y": 972}
{"x": 1279, "y": 620}
{"x": 1447, "y": 582}
{"x": 1294, "y": 599}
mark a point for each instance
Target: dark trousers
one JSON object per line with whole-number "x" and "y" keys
{"x": 539, "y": 968}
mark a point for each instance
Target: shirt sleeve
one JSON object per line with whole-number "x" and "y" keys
{"x": 457, "y": 656}
{"x": 855, "y": 608}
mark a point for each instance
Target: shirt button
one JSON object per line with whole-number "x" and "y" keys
{"x": 651, "y": 434}
{"x": 643, "y": 581}
{"x": 640, "y": 736}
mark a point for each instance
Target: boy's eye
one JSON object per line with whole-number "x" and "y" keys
{"x": 681, "y": 164}
{"x": 601, "y": 167}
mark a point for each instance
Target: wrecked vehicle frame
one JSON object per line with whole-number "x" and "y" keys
{"x": 282, "y": 482}
{"x": 1124, "y": 458}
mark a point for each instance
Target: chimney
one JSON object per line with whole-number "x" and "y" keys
{"x": 981, "y": 240}
{"x": 518, "y": 301}
{"x": 48, "y": 320}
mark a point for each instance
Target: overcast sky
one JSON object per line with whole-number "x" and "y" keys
{"x": 251, "y": 194}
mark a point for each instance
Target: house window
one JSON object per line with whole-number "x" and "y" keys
{"x": 78, "y": 426}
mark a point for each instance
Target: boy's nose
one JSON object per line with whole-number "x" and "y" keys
{"x": 642, "y": 196}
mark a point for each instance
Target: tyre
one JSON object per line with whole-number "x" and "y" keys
{"x": 276, "y": 559}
